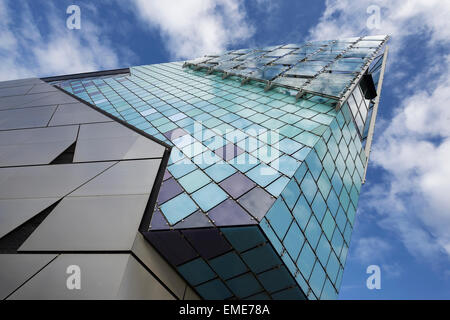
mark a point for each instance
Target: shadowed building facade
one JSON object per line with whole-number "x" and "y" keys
{"x": 239, "y": 173}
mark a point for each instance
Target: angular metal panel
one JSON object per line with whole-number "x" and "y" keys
{"x": 34, "y": 146}
{"x": 14, "y": 212}
{"x": 125, "y": 177}
{"x": 100, "y": 276}
{"x": 75, "y": 113}
{"x": 25, "y": 118}
{"x": 47, "y": 181}
{"x": 16, "y": 269}
{"x": 89, "y": 223}
{"x": 113, "y": 141}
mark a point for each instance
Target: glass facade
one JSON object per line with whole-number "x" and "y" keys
{"x": 261, "y": 189}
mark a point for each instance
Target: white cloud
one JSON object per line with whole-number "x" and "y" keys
{"x": 413, "y": 147}
{"x": 29, "y": 49}
{"x": 370, "y": 250}
{"x": 192, "y": 28}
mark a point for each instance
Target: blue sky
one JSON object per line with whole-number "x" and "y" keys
{"x": 403, "y": 220}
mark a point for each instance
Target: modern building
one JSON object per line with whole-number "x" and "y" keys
{"x": 232, "y": 176}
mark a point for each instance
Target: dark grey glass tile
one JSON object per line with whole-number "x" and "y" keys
{"x": 208, "y": 242}
{"x": 229, "y": 151}
{"x": 158, "y": 222}
{"x": 171, "y": 245}
{"x": 167, "y": 175}
{"x": 196, "y": 220}
{"x": 169, "y": 189}
{"x": 229, "y": 213}
{"x": 89, "y": 223}
{"x": 237, "y": 184}
{"x": 257, "y": 202}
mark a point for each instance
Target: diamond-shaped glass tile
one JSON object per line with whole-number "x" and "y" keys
{"x": 209, "y": 196}
{"x": 178, "y": 208}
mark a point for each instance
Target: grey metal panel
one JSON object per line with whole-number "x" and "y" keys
{"x": 103, "y": 276}
{"x": 34, "y": 146}
{"x": 113, "y": 141}
{"x": 42, "y": 87}
{"x": 125, "y": 177}
{"x": 153, "y": 260}
{"x": 47, "y": 181}
{"x": 14, "y": 212}
{"x": 15, "y": 91}
{"x": 15, "y": 102}
{"x": 138, "y": 283}
{"x": 100, "y": 276}
{"x": 15, "y": 269}
{"x": 50, "y": 98}
{"x": 25, "y": 118}
{"x": 20, "y": 82}
{"x": 89, "y": 223}
{"x": 75, "y": 113}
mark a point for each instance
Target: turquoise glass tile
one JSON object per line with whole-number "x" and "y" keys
{"x": 317, "y": 279}
{"x": 328, "y": 225}
{"x": 313, "y": 231}
{"x": 308, "y": 187}
{"x": 209, "y": 196}
{"x": 314, "y": 164}
{"x": 328, "y": 292}
{"x": 332, "y": 267}
{"x": 196, "y": 271}
{"x": 307, "y": 138}
{"x": 294, "y": 240}
{"x": 289, "y": 146}
{"x": 276, "y": 187}
{"x": 302, "y": 153}
{"x": 302, "y": 212}
{"x": 323, "y": 250}
{"x": 289, "y": 131}
{"x": 178, "y": 208}
{"x": 263, "y": 174}
{"x": 291, "y": 193}
{"x": 194, "y": 181}
{"x": 279, "y": 217}
{"x": 286, "y": 165}
{"x": 319, "y": 206}
{"x": 228, "y": 265}
{"x": 214, "y": 290}
{"x": 220, "y": 171}
{"x": 337, "y": 243}
{"x": 306, "y": 260}
{"x": 181, "y": 168}
{"x": 324, "y": 184}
